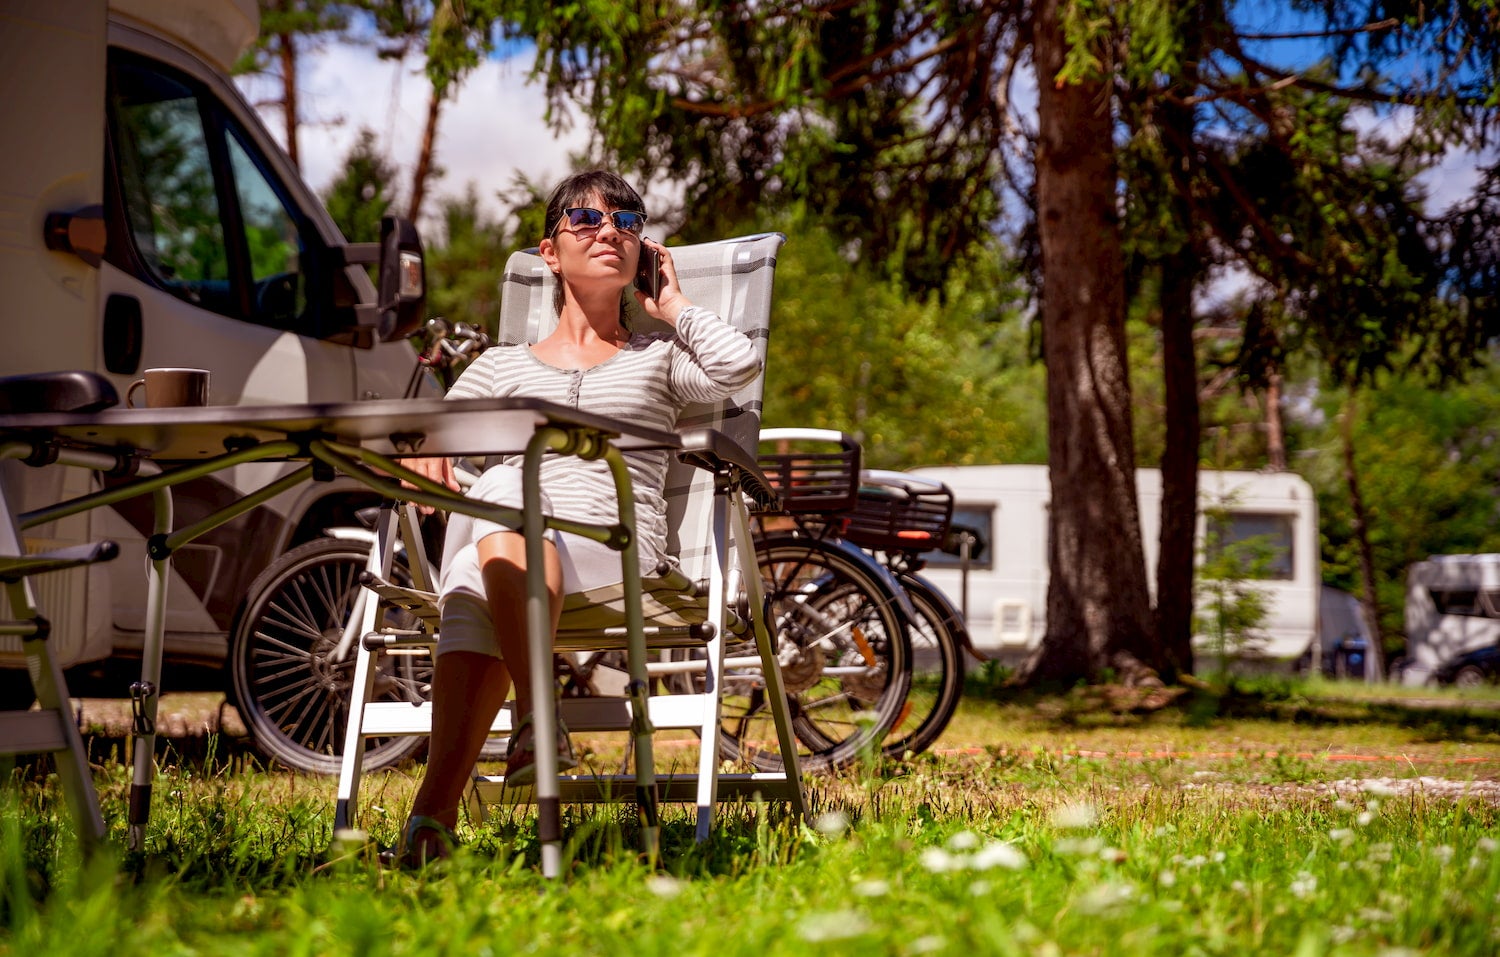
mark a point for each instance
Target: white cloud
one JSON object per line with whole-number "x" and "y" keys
{"x": 493, "y": 129}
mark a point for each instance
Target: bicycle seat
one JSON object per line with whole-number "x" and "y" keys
{"x": 74, "y": 391}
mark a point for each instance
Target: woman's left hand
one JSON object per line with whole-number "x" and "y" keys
{"x": 668, "y": 305}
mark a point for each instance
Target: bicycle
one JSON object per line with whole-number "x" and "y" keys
{"x": 289, "y": 686}
{"x": 900, "y": 518}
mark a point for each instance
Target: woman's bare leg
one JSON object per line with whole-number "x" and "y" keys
{"x": 502, "y": 560}
{"x": 468, "y": 689}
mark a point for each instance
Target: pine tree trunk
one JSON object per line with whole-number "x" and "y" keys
{"x": 1361, "y": 528}
{"x": 1275, "y": 435}
{"x": 286, "y": 47}
{"x": 424, "y": 158}
{"x": 1098, "y": 611}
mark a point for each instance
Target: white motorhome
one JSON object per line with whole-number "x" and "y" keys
{"x": 1452, "y": 608}
{"x": 1005, "y": 591}
{"x": 147, "y": 219}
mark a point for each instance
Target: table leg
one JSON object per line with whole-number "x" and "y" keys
{"x": 145, "y": 694}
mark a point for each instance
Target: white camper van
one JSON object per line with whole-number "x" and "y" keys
{"x": 1005, "y": 593}
{"x": 1452, "y": 608}
{"x": 147, "y": 219}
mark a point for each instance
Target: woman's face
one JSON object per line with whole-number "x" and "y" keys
{"x": 584, "y": 256}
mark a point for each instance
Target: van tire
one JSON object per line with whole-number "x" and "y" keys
{"x": 293, "y": 699}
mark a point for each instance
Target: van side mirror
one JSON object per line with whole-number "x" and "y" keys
{"x": 402, "y": 301}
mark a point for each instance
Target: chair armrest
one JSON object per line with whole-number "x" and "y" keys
{"x": 713, "y": 450}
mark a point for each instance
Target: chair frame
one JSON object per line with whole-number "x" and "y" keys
{"x": 724, "y": 461}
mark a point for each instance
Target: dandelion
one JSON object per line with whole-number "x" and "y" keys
{"x": 1075, "y": 816}
{"x": 872, "y": 888}
{"x": 831, "y": 823}
{"x": 664, "y": 886}
{"x": 837, "y": 925}
{"x": 963, "y": 841}
{"x": 998, "y": 854}
{"x": 1305, "y": 885}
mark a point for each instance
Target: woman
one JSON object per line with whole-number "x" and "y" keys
{"x": 591, "y": 361}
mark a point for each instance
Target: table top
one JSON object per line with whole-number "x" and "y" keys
{"x": 395, "y": 427}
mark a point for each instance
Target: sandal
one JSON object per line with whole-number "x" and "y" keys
{"x": 415, "y": 853}
{"x": 520, "y": 757}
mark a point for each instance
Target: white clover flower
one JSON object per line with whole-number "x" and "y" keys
{"x": 1074, "y": 816}
{"x": 1342, "y": 805}
{"x": 1443, "y": 853}
{"x": 1372, "y": 805}
{"x": 1106, "y": 896}
{"x": 1219, "y": 857}
{"x": 1113, "y": 855}
{"x": 831, "y": 823}
{"x": 998, "y": 854}
{"x": 1378, "y": 787}
{"x": 1342, "y": 835}
{"x": 1305, "y": 885}
{"x": 1239, "y": 887}
{"x": 979, "y": 889}
{"x": 1364, "y": 819}
{"x": 1488, "y": 844}
{"x": 1375, "y": 915}
{"x": 872, "y": 888}
{"x": 665, "y": 886}
{"x": 836, "y": 925}
{"x": 927, "y": 944}
{"x": 1163, "y": 830}
{"x": 963, "y": 841}
{"x": 939, "y": 861}
{"x": 1167, "y": 879}
{"x": 1342, "y": 934}
{"x": 1081, "y": 846}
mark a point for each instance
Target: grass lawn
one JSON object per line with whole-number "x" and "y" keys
{"x": 1289, "y": 819}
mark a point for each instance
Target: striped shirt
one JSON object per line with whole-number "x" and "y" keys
{"x": 648, "y": 382}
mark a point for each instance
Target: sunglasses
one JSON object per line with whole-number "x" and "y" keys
{"x": 581, "y": 219}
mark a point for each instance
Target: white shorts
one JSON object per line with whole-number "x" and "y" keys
{"x": 466, "y": 624}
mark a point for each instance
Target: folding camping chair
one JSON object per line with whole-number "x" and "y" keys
{"x": 708, "y": 600}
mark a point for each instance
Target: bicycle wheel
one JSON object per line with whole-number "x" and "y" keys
{"x": 293, "y": 697}
{"x": 845, "y": 658}
{"x": 937, "y": 680}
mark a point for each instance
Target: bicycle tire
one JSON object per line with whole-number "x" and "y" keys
{"x": 293, "y": 699}
{"x": 934, "y": 695}
{"x": 846, "y": 658}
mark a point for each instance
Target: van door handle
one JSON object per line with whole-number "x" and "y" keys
{"x": 122, "y": 334}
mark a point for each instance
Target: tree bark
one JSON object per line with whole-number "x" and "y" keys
{"x": 424, "y": 158}
{"x": 1098, "y": 610}
{"x": 1361, "y": 528}
{"x": 286, "y": 51}
{"x": 1275, "y": 434}
{"x": 1176, "y": 560}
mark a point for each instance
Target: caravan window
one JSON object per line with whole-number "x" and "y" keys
{"x": 1265, "y": 539}
{"x": 1466, "y": 601}
{"x": 980, "y": 520}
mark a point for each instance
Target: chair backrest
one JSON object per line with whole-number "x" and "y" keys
{"x": 733, "y": 277}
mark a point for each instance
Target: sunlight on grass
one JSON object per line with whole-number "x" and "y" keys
{"x": 1045, "y": 839}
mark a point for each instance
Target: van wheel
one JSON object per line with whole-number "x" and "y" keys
{"x": 1470, "y": 676}
{"x": 292, "y": 694}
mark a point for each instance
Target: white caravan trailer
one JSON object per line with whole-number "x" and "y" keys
{"x": 1006, "y": 593}
{"x": 147, "y": 219}
{"x": 1452, "y": 608}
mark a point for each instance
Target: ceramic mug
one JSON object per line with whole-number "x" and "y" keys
{"x": 170, "y": 388}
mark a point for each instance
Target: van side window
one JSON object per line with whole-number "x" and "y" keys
{"x": 1457, "y": 601}
{"x": 204, "y": 219}
{"x": 1265, "y": 538}
{"x": 167, "y": 181}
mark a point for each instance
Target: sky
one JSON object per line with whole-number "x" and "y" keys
{"x": 491, "y": 131}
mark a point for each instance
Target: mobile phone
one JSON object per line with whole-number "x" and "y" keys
{"x": 648, "y": 276}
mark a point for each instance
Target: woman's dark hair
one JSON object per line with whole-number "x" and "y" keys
{"x": 581, "y": 188}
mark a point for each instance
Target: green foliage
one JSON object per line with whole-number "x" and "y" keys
{"x": 1429, "y": 472}
{"x": 1231, "y": 608}
{"x": 919, "y": 381}
{"x": 364, "y": 191}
